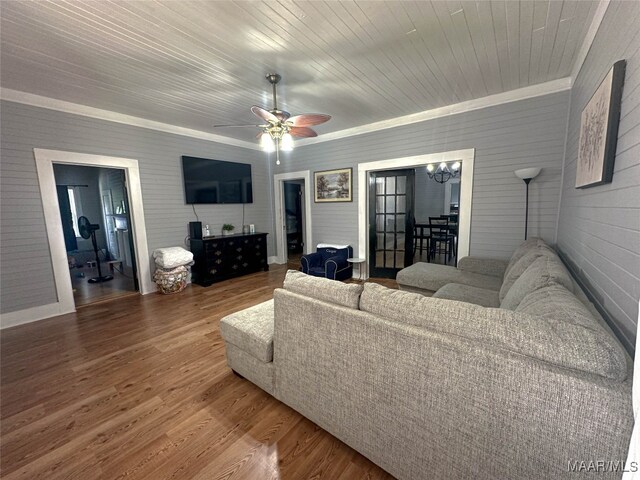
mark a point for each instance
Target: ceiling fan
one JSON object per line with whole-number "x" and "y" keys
{"x": 280, "y": 127}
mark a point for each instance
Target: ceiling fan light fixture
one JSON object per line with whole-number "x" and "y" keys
{"x": 266, "y": 143}
{"x": 443, "y": 166}
{"x": 286, "y": 143}
{"x": 430, "y": 168}
{"x": 455, "y": 167}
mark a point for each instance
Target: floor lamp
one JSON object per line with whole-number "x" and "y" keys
{"x": 527, "y": 174}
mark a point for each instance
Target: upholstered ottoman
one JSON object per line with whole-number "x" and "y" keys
{"x": 248, "y": 338}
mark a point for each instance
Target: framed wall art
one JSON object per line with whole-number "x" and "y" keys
{"x": 333, "y": 185}
{"x": 599, "y": 131}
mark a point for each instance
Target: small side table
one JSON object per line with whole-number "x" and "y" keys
{"x": 360, "y": 263}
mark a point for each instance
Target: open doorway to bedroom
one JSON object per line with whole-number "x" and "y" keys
{"x": 96, "y": 225}
{"x": 292, "y": 204}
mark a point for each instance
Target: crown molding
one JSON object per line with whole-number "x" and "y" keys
{"x": 85, "y": 111}
{"x": 532, "y": 91}
{"x": 589, "y": 37}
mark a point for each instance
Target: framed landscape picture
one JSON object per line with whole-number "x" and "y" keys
{"x": 333, "y": 185}
{"x": 599, "y": 131}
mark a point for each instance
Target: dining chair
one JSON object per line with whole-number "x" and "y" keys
{"x": 440, "y": 235}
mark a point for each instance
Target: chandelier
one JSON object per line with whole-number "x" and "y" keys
{"x": 443, "y": 173}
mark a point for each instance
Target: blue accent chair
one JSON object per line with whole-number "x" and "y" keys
{"x": 329, "y": 262}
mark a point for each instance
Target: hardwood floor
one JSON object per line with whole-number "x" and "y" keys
{"x": 138, "y": 387}
{"x": 85, "y": 293}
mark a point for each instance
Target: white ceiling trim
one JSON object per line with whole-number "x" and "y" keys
{"x": 454, "y": 109}
{"x": 588, "y": 39}
{"x": 68, "y": 107}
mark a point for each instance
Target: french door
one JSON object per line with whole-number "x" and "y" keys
{"x": 391, "y": 209}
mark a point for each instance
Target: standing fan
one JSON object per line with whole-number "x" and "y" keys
{"x": 88, "y": 229}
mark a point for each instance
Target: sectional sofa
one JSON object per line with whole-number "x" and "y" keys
{"x": 518, "y": 387}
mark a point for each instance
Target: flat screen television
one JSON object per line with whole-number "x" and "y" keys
{"x": 215, "y": 181}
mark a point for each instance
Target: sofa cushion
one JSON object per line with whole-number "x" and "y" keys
{"x": 517, "y": 269}
{"x": 559, "y": 343}
{"x": 251, "y": 330}
{"x": 469, "y": 294}
{"x": 345, "y": 294}
{"x": 431, "y": 276}
{"x": 556, "y": 302}
{"x": 524, "y": 247}
{"x": 544, "y": 271}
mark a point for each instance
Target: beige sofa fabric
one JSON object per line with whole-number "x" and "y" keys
{"x": 485, "y": 266}
{"x": 555, "y": 301}
{"x": 431, "y": 277}
{"x": 518, "y": 268}
{"x": 425, "y": 404}
{"x": 251, "y": 330}
{"x": 544, "y": 271}
{"x": 556, "y": 342}
{"x": 344, "y": 294}
{"x": 467, "y": 293}
{"x": 522, "y": 249}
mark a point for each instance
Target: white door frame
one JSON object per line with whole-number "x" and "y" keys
{"x": 465, "y": 157}
{"x": 53, "y": 221}
{"x": 278, "y": 208}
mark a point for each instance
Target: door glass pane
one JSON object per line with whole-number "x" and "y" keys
{"x": 401, "y": 183}
{"x": 390, "y": 223}
{"x": 380, "y": 185}
{"x": 399, "y": 259}
{"x": 401, "y": 203}
{"x": 379, "y": 204}
{"x": 379, "y": 241}
{"x": 389, "y": 242}
{"x": 400, "y": 223}
{"x": 391, "y": 185}
{"x": 388, "y": 263}
{"x": 379, "y": 223}
{"x": 379, "y": 258}
{"x": 400, "y": 239}
{"x": 390, "y": 202}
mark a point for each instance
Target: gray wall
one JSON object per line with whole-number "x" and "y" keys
{"x": 26, "y": 274}
{"x": 89, "y": 198}
{"x": 506, "y": 137}
{"x": 429, "y": 196}
{"x": 599, "y": 227}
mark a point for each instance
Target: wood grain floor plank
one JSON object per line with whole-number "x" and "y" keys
{"x": 138, "y": 388}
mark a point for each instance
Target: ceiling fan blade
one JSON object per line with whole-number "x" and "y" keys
{"x": 302, "y": 132}
{"x": 264, "y": 114}
{"x": 308, "y": 119}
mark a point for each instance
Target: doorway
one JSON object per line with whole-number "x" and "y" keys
{"x": 294, "y": 213}
{"x": 45, "y": 159}
{"x": 465, "y": 157}
{"x": 293, "y": 217}
{"x": 391, "y": 212}
{"x": 96, "y": 225}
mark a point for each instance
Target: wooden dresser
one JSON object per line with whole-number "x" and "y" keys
{"x": 222, "y": 257}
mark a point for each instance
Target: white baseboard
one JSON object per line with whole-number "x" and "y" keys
{"x": 33, "y": 314}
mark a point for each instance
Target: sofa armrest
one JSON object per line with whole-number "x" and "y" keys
{"x": 310, "y": 260}
{"x": 333, "y": 265}
{"x": 486, "y": 266}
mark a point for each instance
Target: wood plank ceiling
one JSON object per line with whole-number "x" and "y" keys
{"x": 196, "y": 64}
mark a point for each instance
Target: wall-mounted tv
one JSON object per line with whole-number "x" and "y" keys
{"x": 215, "y": 181}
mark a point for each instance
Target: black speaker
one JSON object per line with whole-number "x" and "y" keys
{"x": 195, "y": 230}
